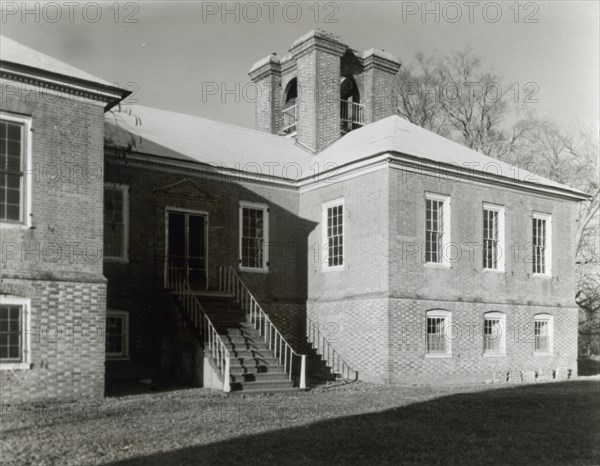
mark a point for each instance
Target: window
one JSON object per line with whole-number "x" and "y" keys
{"x": 254, "y": 236}
{"x": 14, "y": 158}
{"x": 493, "y": 237}
{"x": 542, "y": 244}
{"x": 116, "y": 222}
{"x": 438, "y": 333}
{"x": 14, "y": 351}
{"x": 333, "y": 234}
{"x": 437, "y": 228}
{"x": 494, "y": 333}
{"x": 543, "y": 333}
{"x": 117, "y": 335}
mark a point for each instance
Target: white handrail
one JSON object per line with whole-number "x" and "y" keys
{"x": 212, "y": 340}
{"x": 322, "y": 346}
{"x": 289, "y": 119}
{"x": 352, "y": 112}
{"x": 230, "y": 282}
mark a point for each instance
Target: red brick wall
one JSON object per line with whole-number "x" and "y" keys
{"x": 365, "y": 238}
{"x": 409, "y": 277}
{"x": 374, "y": 305}
{"x": 407, "y": 341}
{"x": 136, "y": 286}
{"x": 58, "y": 262}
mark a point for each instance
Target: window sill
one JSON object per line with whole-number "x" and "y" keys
{"x": 251, "y": 270}
{"x": 437, "y": 265}
{"x": 13, "y": 226}
{"x": 502, "y": 271}
{"x": 437, "y": 356}
{"x": 543, "y": 354}
{"x": 336, "y": 268}
{"x": 116, "y": 260}
{"x": 541, "y": 275}
{"x": 11, "y": 366}
{"x": 494, "y": 355}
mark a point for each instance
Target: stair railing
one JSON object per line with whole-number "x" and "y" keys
{"x": 230, "y": 282}
{"x": 328, "y": 352}
{"x": 196, "y": 314}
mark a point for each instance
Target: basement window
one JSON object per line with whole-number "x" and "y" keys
{"x": 543, "y": 332}
{"x": 117, "y": 335}
{"x": 14, "y": 345}
{"x": 494, "y": 334}
{"x": 439, "y": 342}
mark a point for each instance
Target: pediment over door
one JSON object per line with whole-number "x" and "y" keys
{"x": 185, "y": 189}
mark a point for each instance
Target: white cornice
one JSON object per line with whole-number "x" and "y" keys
{"x": 341, "y": 173}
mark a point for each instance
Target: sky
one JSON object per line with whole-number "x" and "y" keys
{"x": 191, "y": 57}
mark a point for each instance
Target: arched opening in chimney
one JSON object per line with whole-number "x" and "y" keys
{"x": 352, "y": 114}
{"x": 289, "y": 108}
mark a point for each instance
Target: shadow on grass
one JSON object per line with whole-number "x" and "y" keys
{"x": 119, "y": 388}
{"x": 587, "y": 366}
{"x": 542, "y": 424}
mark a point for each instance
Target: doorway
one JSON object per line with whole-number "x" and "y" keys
{"x": 187, "y": 245}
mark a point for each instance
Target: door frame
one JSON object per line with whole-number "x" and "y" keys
{"x": 183, "y": 210}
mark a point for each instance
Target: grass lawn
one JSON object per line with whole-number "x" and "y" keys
{"x": 540, "y": 424}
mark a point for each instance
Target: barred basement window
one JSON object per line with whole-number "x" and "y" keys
{"x": 13, "y": 337}
{"x": 542, "y": 244}
{"x": 117, "y": 335}
{"x": 116, "y": 222}
{"x": 494, "y": 333}
{"x": 254, "y": 234}
{"x": 437, "y": 227}
{"x": 333, "y": 234}
{"x": 493, "y": 236}
{"x": 543, "y": 333}
{"x": 14, "y": 155}
{"x": 438, "y": 333}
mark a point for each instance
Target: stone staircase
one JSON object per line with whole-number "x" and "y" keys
{"x": 254, "y": 368}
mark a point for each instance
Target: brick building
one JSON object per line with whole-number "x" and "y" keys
{"x": 335, "y": 229}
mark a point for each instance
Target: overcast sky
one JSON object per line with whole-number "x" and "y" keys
{"x": 176, "y": 48}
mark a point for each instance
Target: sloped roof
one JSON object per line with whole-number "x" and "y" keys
{"x": 194, "y": 139}
{"x": 15, "y": 52}
{"x": 397, "y": 135}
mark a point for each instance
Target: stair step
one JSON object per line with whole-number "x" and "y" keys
{"x": 254, "y": 361}
{"x": 261, "y": 376}
{"x": 247, "y": 345}
{"x": 259, "y": 391}
{"x": 262, "y": 386}
{"x": 239, "y": 369}
{"x": 249, "y": 354}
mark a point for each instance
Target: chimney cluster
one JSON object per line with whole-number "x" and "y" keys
{"x": 323, "y": 89}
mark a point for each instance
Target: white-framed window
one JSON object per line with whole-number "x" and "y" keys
{"x": 254, "y": 237}
{"x": 116, "y": 222}
{"x": 494, "y": 334}
{"x": 117, "y": 335}
{"x": 438, "y": 333}
{"x": 493, "y": 237}
{"x": 543, "y": 334}
{"x": 333, "y": 234}
{"x": 14, "y": 321}
{"x": 15, "y": 178}
{"x": 542, "y": 244}
{"x": 437, "y": 228}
